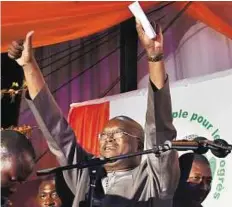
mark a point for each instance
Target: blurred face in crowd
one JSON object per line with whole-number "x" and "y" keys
{"x": 120, "y": 137}
{"x": 13, "y": 171}
{"x": 47, "y": 195}
{"x": 195, "y": 181}
{"x": 8, "y": 175}
{"x": 200, "y": 179}
{"x": 17, "y": 160}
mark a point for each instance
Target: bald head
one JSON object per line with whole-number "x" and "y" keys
{"x": 121, "y": 135}
{"x": 16, "y": 142}
{"x": 129, "y": 125}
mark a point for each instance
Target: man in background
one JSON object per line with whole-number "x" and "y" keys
{"x": 17, "y": 162}
{"x": 47, "y": 194}
{"x": 53, "y": 191}
{"x": 195, "y": 181}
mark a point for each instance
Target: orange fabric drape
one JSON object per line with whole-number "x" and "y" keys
{"x": 200, "y": 11}
{"x": 55, "y": 22}
{"x": 87, "y": 122}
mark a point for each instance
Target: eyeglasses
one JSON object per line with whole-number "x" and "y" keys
{"x": 115, "y": 135}
{"x": 199, "y": 179}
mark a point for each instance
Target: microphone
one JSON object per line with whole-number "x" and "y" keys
{"x": 200, "y": 145}
{"x": 197, "y": 145}
{"x": 219, "y": 147}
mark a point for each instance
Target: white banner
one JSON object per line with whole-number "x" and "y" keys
{"x": 203, "y": 107}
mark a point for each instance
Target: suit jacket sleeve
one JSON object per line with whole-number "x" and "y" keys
{"x": 158, "y": 129}
{"x": 58, "y": 134}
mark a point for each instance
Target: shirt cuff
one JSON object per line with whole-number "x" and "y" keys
{"x": 153, "y": 86}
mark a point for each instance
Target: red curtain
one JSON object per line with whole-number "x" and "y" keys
{"x": 87, "y": 122}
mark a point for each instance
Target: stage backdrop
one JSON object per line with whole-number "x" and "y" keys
{"x": 201, "y": 106}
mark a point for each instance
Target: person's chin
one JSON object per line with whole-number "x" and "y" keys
{"x": 202, "y": 198}
{"x": 114, "y": 166}
{"x": 110, "y": 153}
{"x": 199, "y": 200}
{"x": 54, "y": 205}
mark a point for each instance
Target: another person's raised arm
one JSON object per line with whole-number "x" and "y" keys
{"x": 23, "y": 54}
{"x": 59, "y": 135}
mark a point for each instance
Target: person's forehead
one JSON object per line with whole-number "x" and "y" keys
{"x": 8, "y": 159}
{"x": 201, "y": 168}
{"x": 7, "y": 164}
{"x": 4, "y": 152}
{"x": 115, "y": 124}
{"x": 47, "y": 186}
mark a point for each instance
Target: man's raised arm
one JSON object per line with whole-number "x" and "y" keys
{"x": 60, "y": 137}
{"x": 159, "y": 126}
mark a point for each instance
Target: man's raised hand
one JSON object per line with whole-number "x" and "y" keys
{"x": 21, "y": 51}
{"x": 153, "y": 47}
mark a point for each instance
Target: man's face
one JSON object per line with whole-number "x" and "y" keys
{"x": 47, "y": 195}
{"x": 116, "y": 140}
{"x": 199, "y": 182}
{"x": 13, "y": 172}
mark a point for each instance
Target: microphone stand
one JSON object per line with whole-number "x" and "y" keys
{"x": 157, "y": 150}
{"x": 92, "y": 186}
{"x": 219, "y": 147}
{"x": 102, "y": 160}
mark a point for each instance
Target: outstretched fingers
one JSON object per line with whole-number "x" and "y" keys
{"x": 159, "y": 32}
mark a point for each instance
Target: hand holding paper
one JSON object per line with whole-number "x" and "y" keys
{"x": 137, "y": 11}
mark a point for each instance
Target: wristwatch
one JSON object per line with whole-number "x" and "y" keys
{"x": 155, "y": 58}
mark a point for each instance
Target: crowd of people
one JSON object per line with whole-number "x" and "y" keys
{"x": 162, "y": 181}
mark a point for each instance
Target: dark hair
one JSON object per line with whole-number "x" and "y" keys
{"x": 185, "y": 163}
{"x": 65, "y": 194}
{"x": 186, "y": 160}
{"x": 13, "y": 143}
